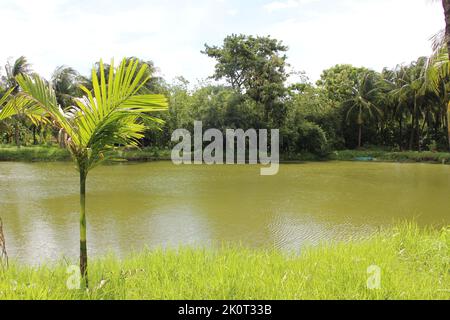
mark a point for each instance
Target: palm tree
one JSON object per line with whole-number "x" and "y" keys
{"x": 66, "y": 82}
{"x": 11, "y": 106}
{"x": 446, "y": 37}
{"x": 411, "y": 90}
{"x": 108, "y": 116}
{"x": 436, "y": 80}
{"x": 4, "y": 114}
{"x": 395, "y": 108}
{"x": 13, "y": 69}
{"x": 438, "y": 67}
{"x": 365, "y": 96}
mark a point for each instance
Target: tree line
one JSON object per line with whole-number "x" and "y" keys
{"x": 404, "y": 108}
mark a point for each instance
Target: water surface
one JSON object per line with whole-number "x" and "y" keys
{"x": 133, "y": 206}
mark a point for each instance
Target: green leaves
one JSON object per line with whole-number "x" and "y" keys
{"x": 109, "y": 115}
{"x": 255, "y": 66}
{"x": 8, "y": 110}
{"x": 14, "y": 105}
{"x": 365, "y": 97}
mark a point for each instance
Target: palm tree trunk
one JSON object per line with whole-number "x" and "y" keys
{"x": 17, "y": 134}
{"x": 34, "y": 136}
{"x": 446, "y": 5}
{"x": 411, "y": 138}
{"x": 414, "y": 125}
{"x": 83, "y": 240}
{"x": 417, "y": 126}
{"x": 359, "y": 136}
{"x": 400, "y": 141}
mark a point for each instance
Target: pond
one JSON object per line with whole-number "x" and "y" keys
{"x": 133, "y": 206}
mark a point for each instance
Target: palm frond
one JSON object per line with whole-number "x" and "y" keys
{"x": 112, "y": 113}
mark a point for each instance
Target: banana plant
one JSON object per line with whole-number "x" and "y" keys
{"x": 114, "y": 113}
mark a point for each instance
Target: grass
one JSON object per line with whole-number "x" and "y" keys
{"x": 414, "y": 262}
{"x": 33, "y": 153}
{"x": 386, "y": 156}
{"x": 54, "y": 153}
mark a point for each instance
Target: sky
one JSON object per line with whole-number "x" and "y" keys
{"x": 319, "y": 33}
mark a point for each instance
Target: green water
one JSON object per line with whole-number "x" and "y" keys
{"x": 134, "y": 206}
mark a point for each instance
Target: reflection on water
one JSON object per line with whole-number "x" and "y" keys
{"x": 158, "y": 204}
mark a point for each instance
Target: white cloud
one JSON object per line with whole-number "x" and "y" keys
{"x": 233, "y": 12}
{"x": 371, "y": 33}
{"x": 288, "y": 4}
{"x": 55, "y": 32}
{"x": 374, "y": 33}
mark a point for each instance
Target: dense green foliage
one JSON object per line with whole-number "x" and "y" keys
{"x": 400, "y": 109}
{"x": 414, "y": 265}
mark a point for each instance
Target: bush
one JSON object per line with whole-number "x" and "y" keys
{"x": 311, "y": 138}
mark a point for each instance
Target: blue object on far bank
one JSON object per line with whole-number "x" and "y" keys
{"x": 364, "y": 159}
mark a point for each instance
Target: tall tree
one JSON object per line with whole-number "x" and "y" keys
{"x": 112, "y": 114}
{"x": 255, "y": 66}
{"x": 446, "y": 6}
{"x": 363, "y": 103}
{"x": 13, "y": 69}
{"x": 438, "y": 66}
{"x": 66, "y": 82}
{"x": 339, "y": 81}
{"x": 411, "y": 91}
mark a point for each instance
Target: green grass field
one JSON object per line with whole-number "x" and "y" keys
{"x": 414, "y": 264}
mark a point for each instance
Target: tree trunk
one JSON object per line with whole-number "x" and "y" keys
{"x": 3, "y": 253}
{"x": 83, "y": 240}
{"x": 34, "y": 135}
{"x": 411, "y": 138}
{"x": 17, "y": 134}
{"x": 446, "y": 5}
{"x": 417, "y": 126}
{"x": 359, "y": 136}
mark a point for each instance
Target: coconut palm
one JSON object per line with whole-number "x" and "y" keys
{"x": 66, "y": 82}
{"x": 412, "y": 90}
{"x": 395, "y": 108}
{"x": 444, "y": 38}
{"x": 13, "y": 69}
{"x": 363, "y": 103}
{"x": 112, "y": 114}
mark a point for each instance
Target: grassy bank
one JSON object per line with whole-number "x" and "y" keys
{"x": 415, "y": 264}
{"x": 33, "y": 153}
{"x": 53, "y": 153}
{"x": 386, "y": 156}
